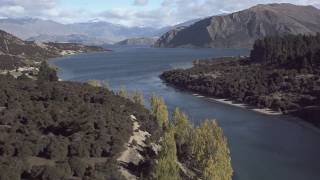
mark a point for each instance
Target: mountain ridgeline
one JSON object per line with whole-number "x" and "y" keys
{"x": 90, "y": 33}
{"x": 241, "y": 29}
{"x": 283, "y": 74}
{"x": 15, "y": 53}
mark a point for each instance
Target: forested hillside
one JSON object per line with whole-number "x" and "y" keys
{"x": 64, "y": 130}
{"x": 294, "y": 52}
{"x": 283, "y": 74}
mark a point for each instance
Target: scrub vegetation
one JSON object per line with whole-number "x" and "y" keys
{"x": 282, "y": 73}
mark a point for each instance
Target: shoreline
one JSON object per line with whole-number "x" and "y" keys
{"x": 265, "y": 111}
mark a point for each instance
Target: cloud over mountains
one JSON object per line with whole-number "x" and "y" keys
{"x": 168, "y": 12}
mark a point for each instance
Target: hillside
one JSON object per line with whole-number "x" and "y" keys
{"x": 16, "y": 53}
{"x": 241, "y": 29}
{"x": 137, "y": 42}
{"x": 282, "y": 74}
{"x": 69, "y": 38}
{"x": 64, "y": 130}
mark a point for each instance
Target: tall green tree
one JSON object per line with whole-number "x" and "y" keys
{"x": 167, "y": 167}
{"x": 160, "y": 111}
{"x": 123, "y": 92}
{"x": 211, "y": 152}
{"x": 182, "y": 128}
{"x": 137, "y": 97}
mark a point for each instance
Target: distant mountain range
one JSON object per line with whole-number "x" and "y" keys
{"x": 241, "y": 29}
{"x": 88, "y": 33}
{"x": 92, "y": 32}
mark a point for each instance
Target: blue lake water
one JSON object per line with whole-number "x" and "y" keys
{"x": 263, "y": 147}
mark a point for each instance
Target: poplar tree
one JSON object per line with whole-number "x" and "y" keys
{"x": 123, "y": 92}
{"x": 160, "y": 111}
{"x": 137, "y": 97}
{"x": 182, "y": 128}
{"x": 106, "y": 85}
{"x": 167, "y": 166}
{"x": 211, "y": 152}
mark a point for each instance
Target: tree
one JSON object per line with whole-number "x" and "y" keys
{"x": 123, "y": 92}
{"x": 47, "y": 73}
{"x": 182, "y": 128}
{"x": 137, "y": 97}
{"x": 211, "y": 152}
{"x": 105, "y": 84}
{"x": 167, "y": 166}
{"x": 160, "y": 111}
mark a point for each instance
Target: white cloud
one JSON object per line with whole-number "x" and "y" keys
{"x": 140, "y": 2}
{"x": 170, "y": 12}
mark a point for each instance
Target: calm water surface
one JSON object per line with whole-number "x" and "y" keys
{"x": 262, "y": 147}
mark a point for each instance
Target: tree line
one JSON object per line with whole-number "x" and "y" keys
{"x": 282, "y": 74}
{"x": 187, "y": 151}
{"x": 292, "y": 51}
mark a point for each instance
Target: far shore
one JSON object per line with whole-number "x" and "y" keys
{"x": 265, "y": 111}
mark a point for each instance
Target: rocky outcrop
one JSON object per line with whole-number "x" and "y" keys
{"x": 241, "y": 29}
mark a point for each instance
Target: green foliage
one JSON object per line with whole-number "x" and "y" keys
{"x": 203, "y": 149}
{"x": 137, "y": 97}
{"x": 123, "y": 92}
{"x": 68, "y": 122}
{"x": 167, "y": 167}
{"x": 182, "y": 128}
{"x": 78, "y": 166}
{"x": 47, "y": 73}
{"x": 160, "y": 111}
{"x": 211, "y": 151}
{"x": 296, "y": 51}
{"x": 10, "y": 168}
{"x": 105, "y": 84}
{"x": 285, "y": 84}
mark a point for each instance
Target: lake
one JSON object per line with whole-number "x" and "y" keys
{"x": 263, "y": 147}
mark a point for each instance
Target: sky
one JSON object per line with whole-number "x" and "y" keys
{"x": 152, "y": 13}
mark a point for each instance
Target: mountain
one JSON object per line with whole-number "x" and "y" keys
{"x": 137, "y": 42}
{"x": 165, "y": 29}
{"x": 92, "y": 32}
{"x": 241, "y": 29}
{"x": 28, "y": 27}
{"x": 111, "y": 32}
{"x": 15, "y": 53}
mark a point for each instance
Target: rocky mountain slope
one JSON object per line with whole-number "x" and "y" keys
{"x": 241, "y": 29}
{"x": 137, "y": 42}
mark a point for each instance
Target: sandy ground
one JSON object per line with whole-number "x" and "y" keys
{"x": 266, "y": 111}
{"x": 131, "y": 154}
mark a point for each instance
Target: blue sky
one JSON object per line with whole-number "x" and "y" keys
{"x": 155, "y": 13}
